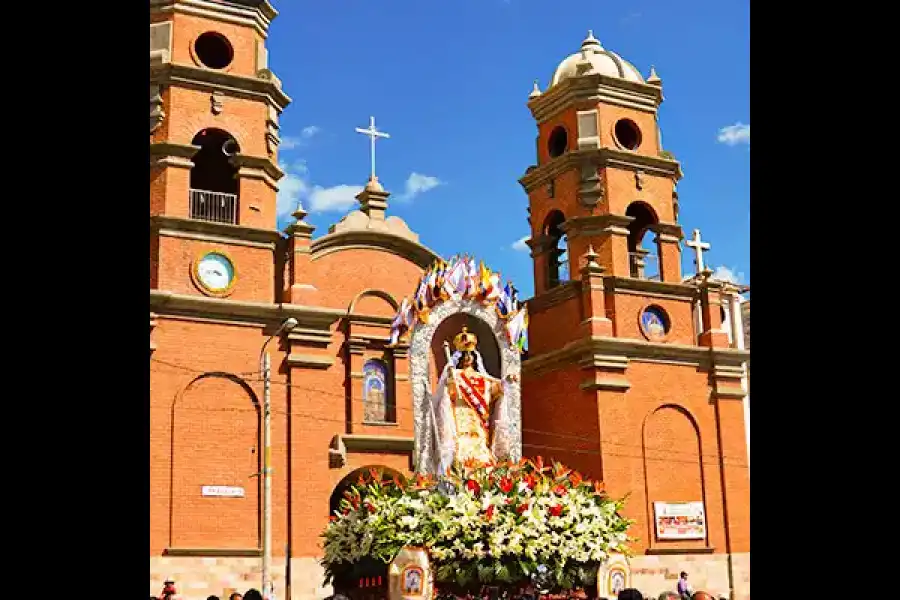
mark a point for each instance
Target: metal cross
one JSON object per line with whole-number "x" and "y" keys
{"x": 373, "y": 134}
{"x": 699, "y": 247}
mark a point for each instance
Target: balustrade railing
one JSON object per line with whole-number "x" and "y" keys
{"x": 216, "y": 207}
{"x": 644, "y": 265}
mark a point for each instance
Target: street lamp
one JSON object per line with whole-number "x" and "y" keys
{"x": 265, "y": 367}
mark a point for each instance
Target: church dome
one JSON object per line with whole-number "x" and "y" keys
{"x": 602, "y": 61}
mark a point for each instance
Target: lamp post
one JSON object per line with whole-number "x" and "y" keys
{"x": 265, "y": 367}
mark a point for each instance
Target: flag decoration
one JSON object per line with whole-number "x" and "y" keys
{"x": 462, "y": 278}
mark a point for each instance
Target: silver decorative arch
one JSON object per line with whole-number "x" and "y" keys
{"x": 420, "y": 351}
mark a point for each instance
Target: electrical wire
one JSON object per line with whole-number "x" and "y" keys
{"x": 709, "y": 459}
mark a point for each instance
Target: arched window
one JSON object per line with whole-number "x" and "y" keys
{"x": 378, "y": 401}
{"x": 558, "y": 256}
{"x": 214, "y": 183}
{"x": 644, "y": 264}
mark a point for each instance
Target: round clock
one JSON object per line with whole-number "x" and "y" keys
{"x": 215, "y": 272}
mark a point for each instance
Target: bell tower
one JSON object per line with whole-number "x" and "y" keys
{"x": 601, "y": 177}
{"x": 630, "y": 376}
{"x": 214, "y": 111}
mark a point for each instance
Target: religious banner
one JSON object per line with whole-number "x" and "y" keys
{"x": 461, "y": 278}
{"x": 680, "y": 520}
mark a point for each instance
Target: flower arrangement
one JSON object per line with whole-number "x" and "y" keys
{"x": 501, "y": 524}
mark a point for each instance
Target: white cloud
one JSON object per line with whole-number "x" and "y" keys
{"x": 723, "y": 273}
{"x": 290, "y": 142}
{"x": 417, "y": 184}
{"x": 295, "y": 187}
{"x": 735, "y": 134}
{"x": 292, "y": 188}
{"x": 337, "y": 198}
{"x": 309, "y": 131}
{"x": 519, "y": 245}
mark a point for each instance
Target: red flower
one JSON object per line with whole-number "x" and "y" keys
{"x": 576, "y": 479}
{"x": 332, "y": 518}
{"x": 506, "y": 484}
{"x": 346, "y": 511}
{"x": 473, "y": 487}
{"x": 371, "y": 507}
{"x": 560, "y": 490}
{"x": 489, "y": 513}
{"x": 521, "y": 508}
{"x": 530, "y": 480}
{"x": 555, "y": 510}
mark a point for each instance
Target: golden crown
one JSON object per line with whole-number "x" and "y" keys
{"x": 465, "y": 341}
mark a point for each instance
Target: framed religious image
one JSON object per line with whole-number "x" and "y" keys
{"x": 654, "y": 323}
{"x": 680, "y": 520}
{"x": 613, "y": 576}
{"x": 411, "y": 581}
{"x": 616, "y": 580}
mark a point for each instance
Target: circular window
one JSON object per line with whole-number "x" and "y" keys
{"x": 627, "y": 134}
{"x": 655, "y": 323}
{"x": 558, "y": 142}
{"x": 214, "y": 50}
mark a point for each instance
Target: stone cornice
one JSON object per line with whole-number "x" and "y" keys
{"x": 595, "y": 89}
{"x": 221, "y": 232}
{"x": 657, "y": 288}
{"x": 583, "y": 352}
{"x": 263, "y": 164}
{"x": 308, "y": 317}
{"x": 166, "y": 154}
{"x": 596, "y": 225}
{"x": 251, "y": 13}
{"x": 239, "y": 86}
{"x": 373, "y": 240}
{"x": 343, "y": 444}
{"x": 603, "y": 158}
{"x": 556, "y": 295}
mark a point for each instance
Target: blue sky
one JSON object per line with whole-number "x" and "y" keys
{"x": 448, "y": 80}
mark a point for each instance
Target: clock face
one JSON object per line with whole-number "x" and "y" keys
{"x": 215, "y": 272}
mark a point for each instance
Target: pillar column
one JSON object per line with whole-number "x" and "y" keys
{"x": 594, "y": 321}
{"x": 541, "y": 248}
{"x": 712, "y": 335}
{"x": 668, "y": 243}
{"x": 300, "y": 290}
{"x": 170, "y": 179}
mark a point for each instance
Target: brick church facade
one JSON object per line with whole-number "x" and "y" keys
{"x": 630, "y": 378}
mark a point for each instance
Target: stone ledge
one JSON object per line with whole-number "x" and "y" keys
{"x": 310, "y": 361}
{"x": 239, "y": 86}
{"x": 359, "y": 442}
{"x": 224, "y": 231}
{"x": 668, "y": 551}
{"x": 214, "y": 552}
{"x": 310, "y": 317}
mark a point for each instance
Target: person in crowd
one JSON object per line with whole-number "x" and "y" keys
{"x": 700, "y": 595}
{"x": 168, "y": 592}
{"x": 668, "y": 596}
{"x": 235, "y": 596}
{"x": 630, "y": 594}
{"x": 253, "y": 594}
{"x": 212, "y": 597}
{"x": 684, "y": 588}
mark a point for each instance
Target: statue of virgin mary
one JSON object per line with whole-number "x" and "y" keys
{"x": 469, "y": 409}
